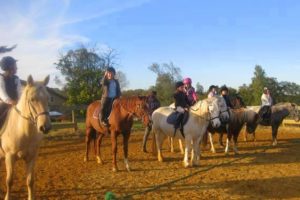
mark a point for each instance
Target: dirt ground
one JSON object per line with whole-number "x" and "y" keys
{"x": 260, "y": 171}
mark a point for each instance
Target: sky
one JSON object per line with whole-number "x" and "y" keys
{"x": 213, "y": 42}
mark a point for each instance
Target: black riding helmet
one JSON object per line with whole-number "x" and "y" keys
{"x": 7, "y": 63}
{"x": 112, "y": 70}
{"x": 224, "y": 88}
{"x": 178, "y": 84}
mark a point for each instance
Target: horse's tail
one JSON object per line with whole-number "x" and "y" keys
{"x": 154, "y": 149}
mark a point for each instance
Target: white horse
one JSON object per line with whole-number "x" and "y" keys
{"x": 22, "y": 131}
{"x": 200, "y": 115}
{"x": 224, "y": 117}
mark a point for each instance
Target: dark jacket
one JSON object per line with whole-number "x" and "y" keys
{"x": 153, "y": 103}
{"x": 181, "y": 99}
{"x": 105, "y": 85}
{"x": 227, "y": 100}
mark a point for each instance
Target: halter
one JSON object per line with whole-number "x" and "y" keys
{"x": 32, "y": 118}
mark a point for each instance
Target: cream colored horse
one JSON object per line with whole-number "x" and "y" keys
{"x": 200, "y": 115}
{"x": 22, "y": 132}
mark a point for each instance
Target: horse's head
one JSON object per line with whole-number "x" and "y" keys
{"x": 34, "y": 104}
{"x": 141, "y": 109}
{"x": 214, "y": 111}
{"x": 294, "y": 112}
{"x": 224, "y": 110}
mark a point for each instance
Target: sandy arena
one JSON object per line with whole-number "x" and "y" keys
{"x": 260, "y": 171}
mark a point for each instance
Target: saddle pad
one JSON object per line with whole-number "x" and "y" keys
{"x": 171, "y": 119}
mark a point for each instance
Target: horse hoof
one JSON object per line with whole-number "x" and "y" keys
{"x": 145, "y": 151}
{"x": 85, "y": 159}
{"x": 128, "y": 169}
{"x": 99, "y": 161}
{"x": 186, "y": 164}
{"x": 213, "y": 150}
{"x": 114, "y": 169}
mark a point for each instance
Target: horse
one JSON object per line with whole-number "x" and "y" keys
{"x": 200, "y": 115}
{"x": 23, "y": 130}
{"x": 279, "y": 111}
{"x": 121, "y": 120}
{"x": 238, "y": 117}
{"x": 224, "y": 117}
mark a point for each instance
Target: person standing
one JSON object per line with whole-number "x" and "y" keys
{"x": 153, "y": 104}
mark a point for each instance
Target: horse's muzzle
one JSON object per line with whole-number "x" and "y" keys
{"x": 45, "y": 129}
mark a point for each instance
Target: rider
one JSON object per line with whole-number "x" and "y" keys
{"x": 153, "y": 104}
{"x": 266, "y": 103}
{"x": 212, "y": 91}
{"x": 181, "y": 106}
{"x": 10, "y": 85}
{"x": 224, "y": 93}
{"x": 110, "y": 91}
{"x": 190, "y": 91}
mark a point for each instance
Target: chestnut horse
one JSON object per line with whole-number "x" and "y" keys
{"x": 121, "y": 120}
{"x": 23, "y": 131}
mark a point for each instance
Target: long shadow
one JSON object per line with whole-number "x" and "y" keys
{"x": 270, "y": 188}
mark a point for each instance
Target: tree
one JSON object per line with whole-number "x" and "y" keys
{"x": 167, "y": 75}
{"x": 83, "y": 69}
{"x": 259, "y": 81}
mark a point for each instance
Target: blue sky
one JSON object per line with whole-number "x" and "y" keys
{"x": 213, "y": 42}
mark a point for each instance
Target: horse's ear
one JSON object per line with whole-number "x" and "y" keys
{"x": 30, "y": 80}
{"x": 46, "y": 80}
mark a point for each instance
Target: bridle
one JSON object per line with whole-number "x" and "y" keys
{"x": 33, "y": 116}
{"x": 209, "y": 113}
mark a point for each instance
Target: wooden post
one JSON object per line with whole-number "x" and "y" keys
{"x": 74, "y": 121}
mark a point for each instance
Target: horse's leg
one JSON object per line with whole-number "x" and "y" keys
{"x": 88, "y": 132}
{"x": 274, "y": 134}
{"x": 171, "y": 143}
{"x": 187, "y": 151}
{"x": 145, "y": 138}
{"x": 10, "y": 163}
{"x": 181, "y": 146}
{"x": 126, "y": 136}
{"x": 196, "y": 150}
{"x": 229, "y": 136}
{"x": 235, "y": 137}
{"x": 159, "y": 136}
{"x": 245, "y": 133}
{"x": 30, "y": 177}
{"x": 98, "y": 147}
{"x": 114, "y": 150}
{"x": 212, "y": 148}
{"x": 221, "y": 139}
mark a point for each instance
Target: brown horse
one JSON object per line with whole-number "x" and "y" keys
{"x": 120, "y": 120}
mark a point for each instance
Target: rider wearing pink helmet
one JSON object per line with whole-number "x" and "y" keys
{"x": 190, "y": 91}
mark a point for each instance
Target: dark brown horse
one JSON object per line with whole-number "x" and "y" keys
{"x": 238, "y": 117}
{"x": 279, "y": 111}
{"x": 120, "y": 120}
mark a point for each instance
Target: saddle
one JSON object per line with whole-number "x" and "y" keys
{"x": 4, "y": 108}
{"x": 178, "y": 120}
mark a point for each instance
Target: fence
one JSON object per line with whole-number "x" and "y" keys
{"x": 62, "y": 125}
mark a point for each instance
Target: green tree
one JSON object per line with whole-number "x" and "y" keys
{"x": 259, "y": 81}
{"x": 167, "y": 75}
